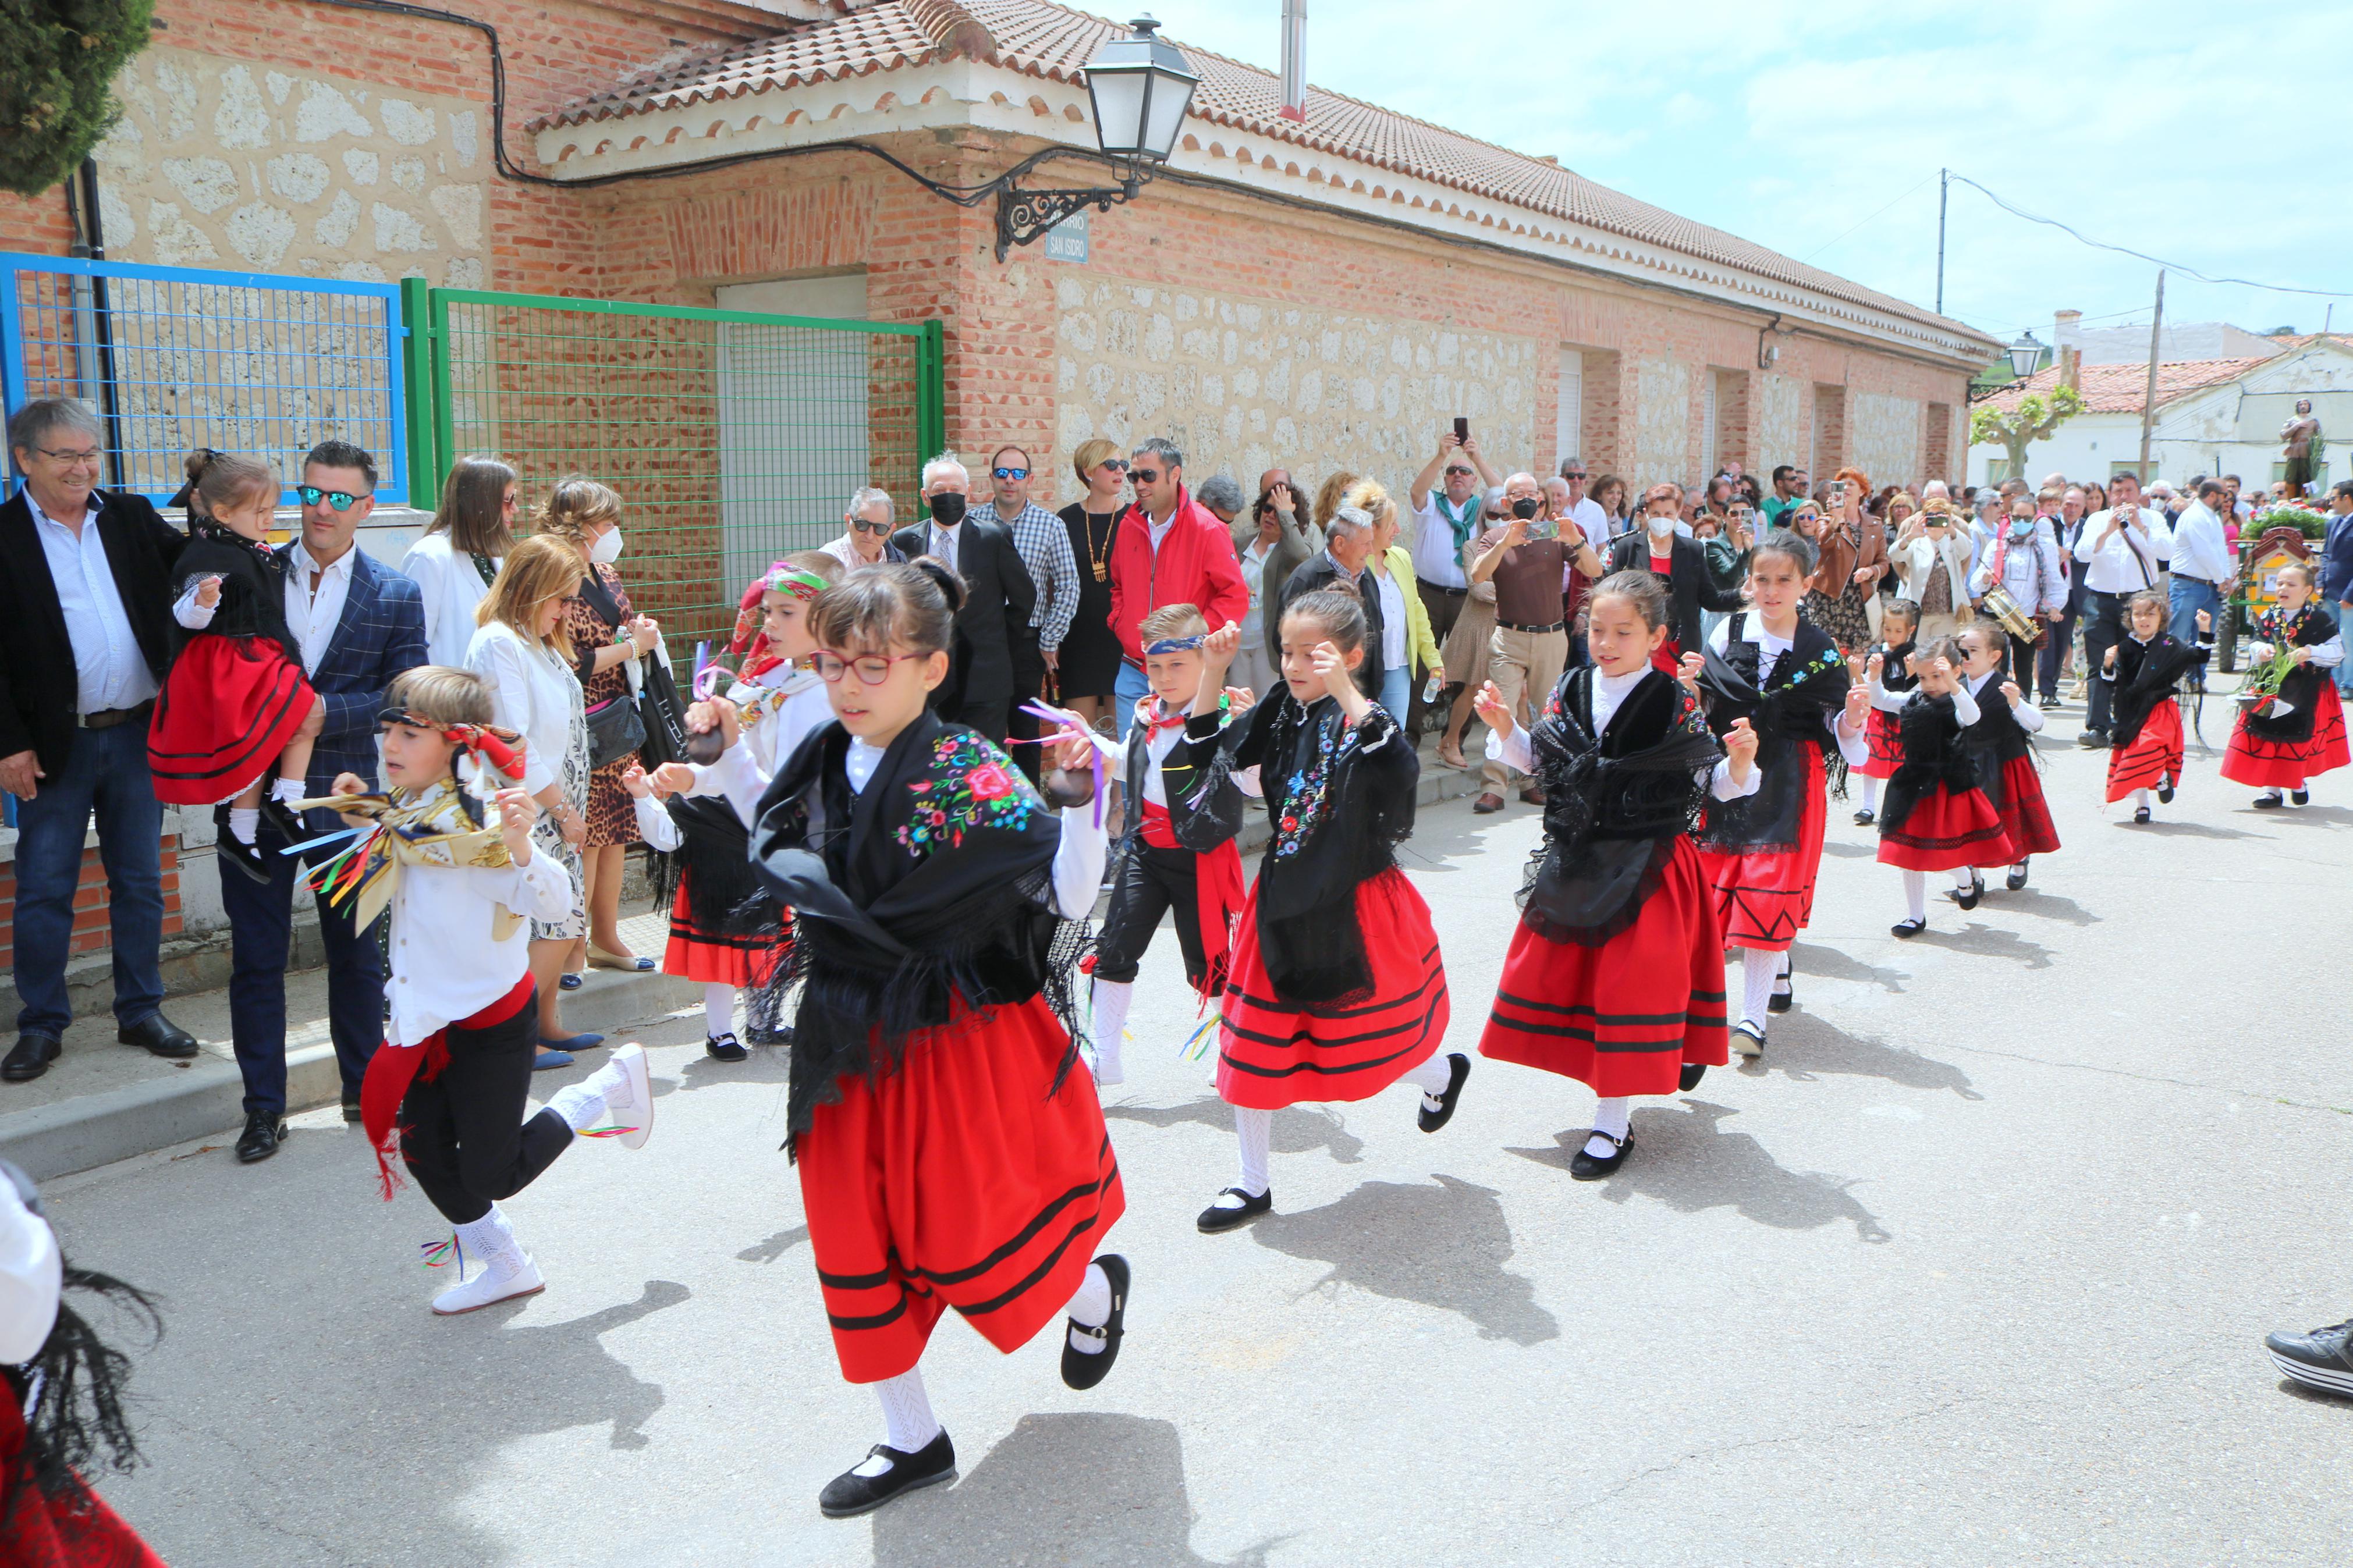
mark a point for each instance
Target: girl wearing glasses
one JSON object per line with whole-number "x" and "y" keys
{"x": 952, "y": 1152}
{"x": 235, "y": 709}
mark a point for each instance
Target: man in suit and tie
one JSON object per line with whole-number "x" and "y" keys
{"x": 359, "y": 624}
{"x": 85, "y": 640}
{"x": 993, "y": 629}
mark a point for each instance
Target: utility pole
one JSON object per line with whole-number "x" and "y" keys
{"x": 2148, "y": 403}
{"x": 1944, "y": 189}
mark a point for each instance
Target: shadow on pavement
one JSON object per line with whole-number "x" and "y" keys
{"x": 1442, "y": 1245}
{"x": 2192, "y": 830}
{"x": 2049, "y": 907}
{"x": 1804, "y": 1047}
{"x": 1080, "y": 1490}
{"x": 776, "y": 1246}
{"x": 1830, "y": 963}
{"x": 1684, "y": 1159}
{"x": 1984, "y": 940}
{"x": 574, "y": 1380}
{"x": 1298, "y": 1131}
{"x": 766, "y": 1064}
{"x": 1831, "y": 846}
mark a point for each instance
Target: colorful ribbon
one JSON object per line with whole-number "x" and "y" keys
{"x": 1068, "y": 728}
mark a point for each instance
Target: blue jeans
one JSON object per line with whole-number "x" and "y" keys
{"x": 1397, "y": 691}
{"x": 105, "y": 773}
{"x": 260, "y": 928}
{"x": 1129, "y": 689}
{"x": 2189, "y": 596}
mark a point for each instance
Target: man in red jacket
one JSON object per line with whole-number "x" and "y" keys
{"x": 1170, "y": 551}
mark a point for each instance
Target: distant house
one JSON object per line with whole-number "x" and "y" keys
{"x": 2213, "y": 417}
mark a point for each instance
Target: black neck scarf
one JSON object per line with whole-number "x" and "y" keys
{"x": 2146, "y": 674}
{"x": 1786, "y": 708}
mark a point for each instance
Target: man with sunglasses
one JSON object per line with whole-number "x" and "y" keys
{"x": 359, "y": 624}
{"x": 85, "y": 637}
{"x": 1168, "y": 549}
{"x": 867, "y": 528}
{"x": 1445, "y": 521}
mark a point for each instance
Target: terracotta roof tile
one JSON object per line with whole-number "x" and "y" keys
{"x": 1040, "y": 39}
{"x": 2123, "y": 388}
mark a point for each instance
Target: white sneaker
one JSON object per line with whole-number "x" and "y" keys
{"x": 1107, "y": 1069}
{"x": 628, "y": 1094}
{"x": 493, "y": 1284}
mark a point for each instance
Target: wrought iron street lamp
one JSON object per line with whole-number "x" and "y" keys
{"x": 1140, "y": 88}
{"x": 2025, "y": 356}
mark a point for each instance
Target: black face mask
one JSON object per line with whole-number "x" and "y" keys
{"x": 947, "y": 509}
{"x": 1526, "y": 506}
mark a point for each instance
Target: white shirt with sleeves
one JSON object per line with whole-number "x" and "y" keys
{"x": 32, "y": 1276}
{"x": 2126, "y": 562}
{"x": 1770, "y": 651}
{"x": 109, "y": 670}
{"x": 312, "y": 617}
{"x": 532, "y": 692}
{"x": 1610, "y": 693}
{"x": 453, "y": 588}
{"x": 448, "y": 959}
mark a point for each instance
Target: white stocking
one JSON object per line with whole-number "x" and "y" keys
{"x": 1757, "y": 966}
{"x": 1091, "y": 1305}
{"x": 1109, "y": 1025}
{"x": 1256, "y": 1130}
{"x": 490, "y": 1242}
{"x": 1965, "y": 877}
{"x": 718, "y": 1009}
{"x": 1432, "y": 1078}
{"x": 1915, "y": 896}
{"x": 908, "y": 1422}
{"x": 1870, "y": 793}
{"x": 2140, "y": 799}
{"x": 1611, "y": 1117}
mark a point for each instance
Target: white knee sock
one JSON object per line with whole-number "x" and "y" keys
{"x": 1965, "y": 877}
{"x": 1915, "y": 895}
{"x": 1091, "y": 1305}
{"x": 1870, "y": 793}
{"x": 1256, "y": 1130}
{"x": 718, "y": 1009}
{"x": 288, "y": 790}
{"x": 245, "y": 821}
{"x": 1432, "y": 1078}
{"x": 490, "y": 1242}
{"x": 1757, "y": 968}
{"x": 2140, "y": 799}
{"x": 1611, "y": 1117}
{"x": 908, "y": 1422}
{"x": 1109, "y": 1025}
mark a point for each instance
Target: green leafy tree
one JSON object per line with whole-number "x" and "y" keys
{"x": 58, "y": 60}
{"x": 2033, "y": 420}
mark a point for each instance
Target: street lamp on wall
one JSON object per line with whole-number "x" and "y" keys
{"x": 2025, "y": 356}
{"x": 1140, "y": 88}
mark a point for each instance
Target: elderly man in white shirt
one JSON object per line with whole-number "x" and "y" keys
{"x": 2120, "y": 551}
{"x": 866, "y": 535}
{"x": 2203, "y": 566}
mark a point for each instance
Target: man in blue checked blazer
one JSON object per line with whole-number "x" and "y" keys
{"x": 359, "y": 624}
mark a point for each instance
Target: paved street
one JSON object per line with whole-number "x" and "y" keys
{"x": 1972, "y": 1270}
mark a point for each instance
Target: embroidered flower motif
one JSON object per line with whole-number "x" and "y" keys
{"x": 969, "y": 787}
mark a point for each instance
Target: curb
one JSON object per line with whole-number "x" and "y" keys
{"x": 208, "y": 1097}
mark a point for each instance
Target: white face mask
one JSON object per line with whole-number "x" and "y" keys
{"x": 1662, "y": 526}
{"x": 607, "y": 548}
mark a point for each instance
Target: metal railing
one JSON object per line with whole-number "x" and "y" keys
{"x": 174, "y": 358}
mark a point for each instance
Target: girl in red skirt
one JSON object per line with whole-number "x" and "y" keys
{"x": 1335, "y": 989}
{"x": 2000, "y": 737}
{"x": 234, "y": 706}
{"x": 697, "y": 818}
{"x": 1883, "y": 752}
{"x": 1761, "y": 853}
{"x": 949, "y": 1154}
{"x": 2142, "y": 670}
{"x": 1938, "y": 817}
{"x": 2283, "y": 740}
{"x": 1615, "y": 976}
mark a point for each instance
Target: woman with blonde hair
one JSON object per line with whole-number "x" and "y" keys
{"x": 1088, "y": 673}
{"x": 606, "y": 633}
{"x": 523, "y": 650}
{"x": 452, "y": 565}
{"x": 1409, "y": 648}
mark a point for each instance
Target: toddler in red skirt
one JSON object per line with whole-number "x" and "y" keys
{"x": 2283, "y": 739}
{"x": 2142, "y": 669}
{"x": 1938, "y": 815}
{"x": 1884, "y": 750}
{"x": 2002, "y": 737}
{"x": 236, "y": 705}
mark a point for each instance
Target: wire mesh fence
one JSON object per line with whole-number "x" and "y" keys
{"x": 731, "y": 436}
{"x": 173, "y": 359}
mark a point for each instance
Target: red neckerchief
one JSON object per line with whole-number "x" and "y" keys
{"x": 1149, "y": 714}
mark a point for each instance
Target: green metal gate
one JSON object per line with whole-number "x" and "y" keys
{"x": 733, "y": 436}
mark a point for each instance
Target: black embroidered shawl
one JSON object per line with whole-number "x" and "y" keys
{"x": 1934, "y": 753}
{"x": 2301, "y": 687}
{"x": 1787, "y": 710}
{"x": 935, "y": 881}
{"x": 1894, "y": 674}
{"x": 1614, "y": 803}
{"x": 2145, "y": 675}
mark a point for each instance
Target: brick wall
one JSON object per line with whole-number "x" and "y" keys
{"x": 90, "y": 927}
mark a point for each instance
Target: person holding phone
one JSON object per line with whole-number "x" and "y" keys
{"x": 1445, "y": 521}
{"x": 1932, "y": 562}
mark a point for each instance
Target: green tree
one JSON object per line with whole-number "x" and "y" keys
{"x": 2033, "y": 420}
{"x": 58, "y": 60}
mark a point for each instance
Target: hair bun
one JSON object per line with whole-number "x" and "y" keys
{"x": 197, "y": 462}
{"x": 951, "y": 586}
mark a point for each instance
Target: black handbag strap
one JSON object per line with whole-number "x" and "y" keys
{"x": 483, "y": 564}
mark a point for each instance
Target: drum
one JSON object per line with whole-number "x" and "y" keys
{"x": 2014, "y": 620}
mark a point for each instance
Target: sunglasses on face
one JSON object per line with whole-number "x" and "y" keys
{"x": 1116, "y": 465}
{"x": 860, "y": 525}
{"x": 1010, "y": 473}
{"x": 1144, "y": 476}
{"x": 1458, "y": 473}
{"x": 873, "y": 669}
{"x": 340, "y": 500}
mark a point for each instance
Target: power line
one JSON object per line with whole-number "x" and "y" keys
{"x": 2127, "y": 250}
{"x": 1858, "y": 228}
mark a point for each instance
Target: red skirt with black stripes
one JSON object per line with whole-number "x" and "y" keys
{"x": 965, "y": 1179}
{"x": 226, "y": 710}
{"x": 1623, "y": 1018}
{"x": 2025, "y": 814}
{"x": 1882, "y": 737}
{"x": 715, "y": 957}
{"x": 2154, "y": 756}
{"x": 1946, "y": 829}
{"x": 1768, "y": 895}
{"x": 1272, "y": 1052}
{"x": 2266, "y": 764}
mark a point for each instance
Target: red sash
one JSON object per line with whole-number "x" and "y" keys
{"x": 393, "y": 1068}
{"x": 1217, "y": 892}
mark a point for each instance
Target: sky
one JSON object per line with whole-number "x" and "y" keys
{"x": 1818, "y": 128}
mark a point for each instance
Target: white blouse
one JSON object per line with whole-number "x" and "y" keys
{"x": 2029, "y": 717}
{"x": 533, "y": 693}
{"x": 1156, "y": 747}
{"x": 31, "y": 1275}
{"x": 449, "y": 960}
{"x": 448, "y": 582}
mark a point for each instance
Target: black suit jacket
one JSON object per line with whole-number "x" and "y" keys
{"x": 1691, "y": 589}
{"x": 1319, "y": 571}
{"x": 994, "y": 620}
{"x": 38, "y": 687}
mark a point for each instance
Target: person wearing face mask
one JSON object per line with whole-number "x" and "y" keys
{"x": 993, "y": 634}
{"x": 1659, "y": 549}
{"x": 606, "y": 635}
{"x": 2024, "y": 561}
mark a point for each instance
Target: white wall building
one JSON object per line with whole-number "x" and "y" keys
{"x": 2213, "y": 417}
{"x": 2180, "y": 341}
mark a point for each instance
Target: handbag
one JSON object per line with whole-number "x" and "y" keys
{"x": 661, "y": 713}
{"x": 615, "y": 730}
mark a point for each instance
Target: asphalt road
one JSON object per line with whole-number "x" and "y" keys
{"x": 1973, "y": 1269}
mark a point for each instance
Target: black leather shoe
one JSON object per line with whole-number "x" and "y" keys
{"x": 1084, "y": 1369}
{"x": 1865, "y": 817}
{"x": 1692, "y": 1073}
{"x": 263, "y": 1134}
{"x": 1219, "y": 1216}
{"x": 2165, "y": 792}
{"x": 232, "y": 851}
{"x": 1430, "y": 1121}
{"x": 2299, "y": 797}
{"x": 31, "y": 1058}
{"x": 1584, "y": 1167}
{"x": 724, "y": 1047}
{"x": 2321, "y": 1358}
{"x": 2092, "y": 740}
{"x": 159, "y": 1036}
{"x": 279, "y": 817}
{"x": 1909, "y": 928}
{"x": 1969, "y": 900}
{"x": 2270, "y": 800}
{"x": 850, "y": 1494}
{"x": 1782, "y": 1001}
{"x": 2140, "y": 813}
{"x": 2016, "y": 880}
{"x": 351, "y": 1106}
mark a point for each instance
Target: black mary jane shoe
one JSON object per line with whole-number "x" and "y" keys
{"x": 158, "y": 1035}
{"x": 1084, "y": 1369}
{"x": 1969, "y": 900}
{"x": 1219, "y": 1216}
{"x": 1865, "y": 817}
{"x": 1909, "y": 928}
{"x": 850, "y": 1494}
{"x": 2016, "y": 880}
{"x": 263, "y": 1135}
{"x": 279, "y": 817}
{"x": 2300, "y": 798}
{"x": 1693, "y": 1072}
{"x": 1584, "y": 1167}
{"x": 2165, "y": 792}
{"x": 724, "y": 1048}
{"x": 1459, "y": 1070}
{"x": 231, "y": 851}
{"x": 2269, "y": 801}
{"x": 1782, "y": 1001}
{"x": 2140, "y": 815}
